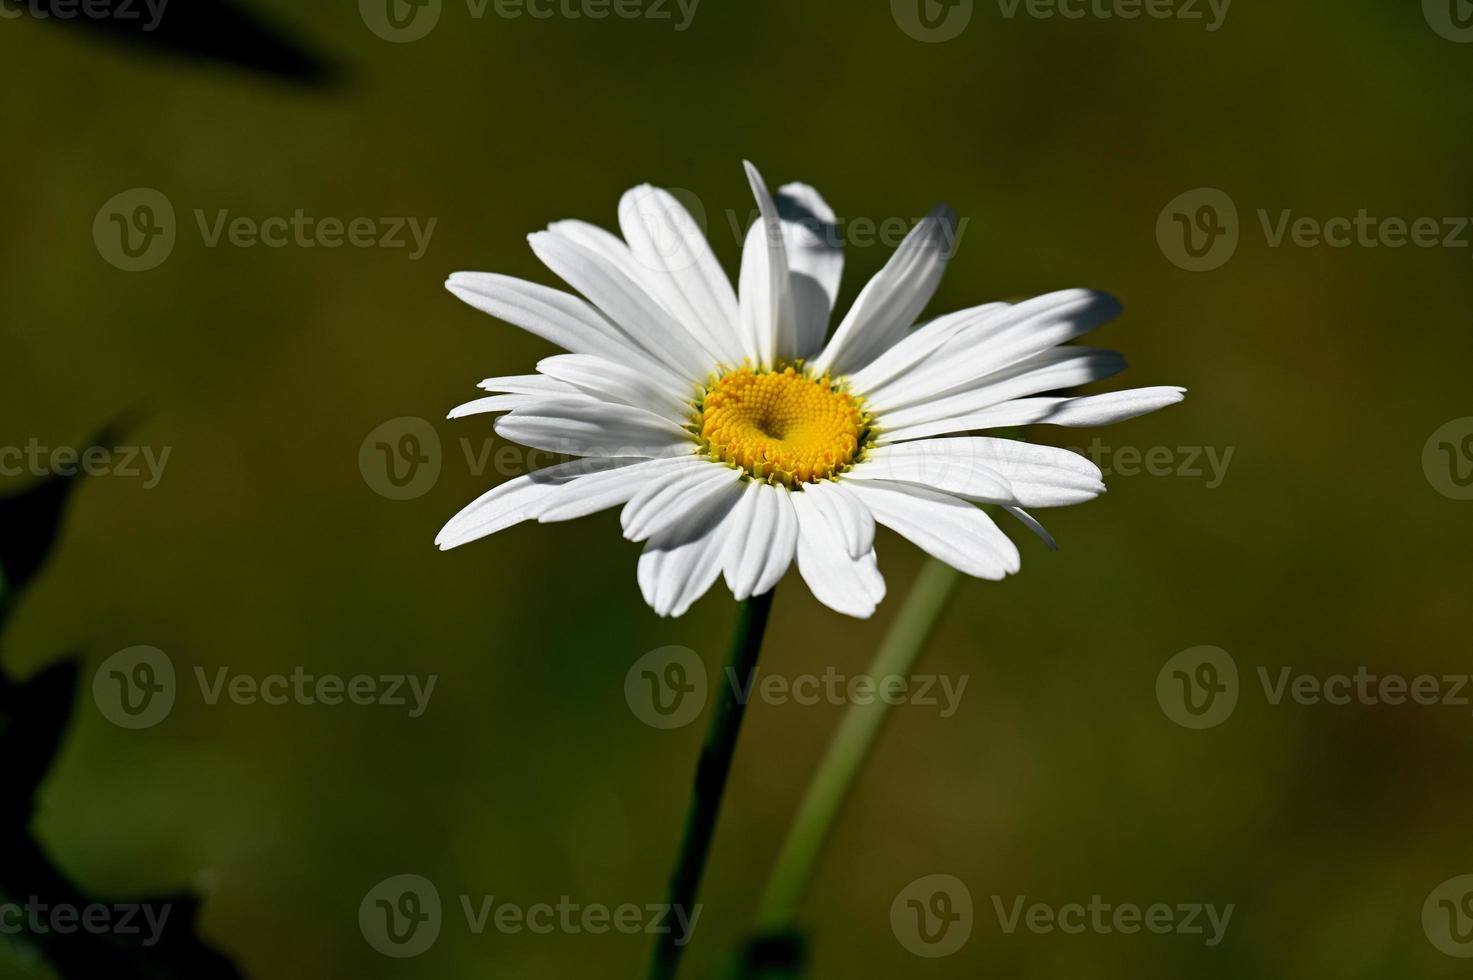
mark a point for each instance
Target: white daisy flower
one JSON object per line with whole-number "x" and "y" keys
{"x": 737, "y": 437}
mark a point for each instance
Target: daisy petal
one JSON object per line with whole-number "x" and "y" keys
{"x": 527, "y": 384}
{"x": 668, "y": 498}
{"x": 853, "y": 520}
{"x": 1087, "y": 410}
{"x": 1035, "y": 476}
{"x": 851, "y": 586}
{"x": 1031, "y": 524}
{"x": 944, "y": 527}
{"x": 608, "y": 381}
{"x": 625, "y": 300}
{"x": 891, "y": 302}
{"x": 815, "y": 262}
{"x": 1000, "y": 341}
{"x": 557, "y": 317}
{"x": 680, "y": 565}
{"x": 761, "y": 546}
{"x": 518, "y": 500}
{"x": 1062, "y": 367}
{"x": 681, "y": 268}
{"x": 767, "y": 320}
{"x": 949, "y": 465}
{"x": 581, "y": 426}
{"x": 600, "y": 491}
{"x": 919, "y": 345}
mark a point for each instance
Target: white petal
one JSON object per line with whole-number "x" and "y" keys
{"x": 666, "y": 500}
{"x": 1034, "y": 475}
{"x": 613, "y": 289}
{"x": 681, "y": 565}
{"x": 891, "y": 301}
{"x": 851, "y": 586}
{"x": 946, "y": 528}
{"x": 600, "y": 491}
{"x": 1032, "y": 524}
{"x": 582, "y": 426}
{"x": 853, "y": 521}
{"x": 769, "y": 327}
{"x": 1061, "y": 367}
{"x": 681, "y": 268}
{"x": 761, "y": 546}
{"x": 555, "y": 316}
{"x": 518, "y": 500}
{"x": 950, "y": 465}
{"x": 919, "y": 344}
{"x": 607, "y": 381}
{"x": 527, "y": 384}
{"x": 496, "y": 403}
{"x": 1086, "y": 410}
{"x": 998, "y": 342}
{"x": 815, "y": 262}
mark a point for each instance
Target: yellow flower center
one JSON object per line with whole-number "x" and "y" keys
{"x": 781, "y": 425}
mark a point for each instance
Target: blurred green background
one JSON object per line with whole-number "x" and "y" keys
{"x": 264, "y": 548}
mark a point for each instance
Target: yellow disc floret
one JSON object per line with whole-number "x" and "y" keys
{"x": 782, "y": 425}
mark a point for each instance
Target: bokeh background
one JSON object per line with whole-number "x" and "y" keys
{"x": 1324, "y": 547}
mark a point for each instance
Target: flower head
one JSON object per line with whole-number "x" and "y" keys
{"x": 738, "y": 435}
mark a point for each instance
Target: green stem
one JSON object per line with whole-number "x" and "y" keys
{"x": 851, "y": 744}
{"x": 710, "y": 784}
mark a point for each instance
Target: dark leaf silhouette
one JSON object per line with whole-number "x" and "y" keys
{"x": 151, "y": 938}
{"x": 222, "y": 31}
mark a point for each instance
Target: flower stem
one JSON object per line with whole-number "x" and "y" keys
{"x": 851, "y": 744}
{"x": 710, "y": 783}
